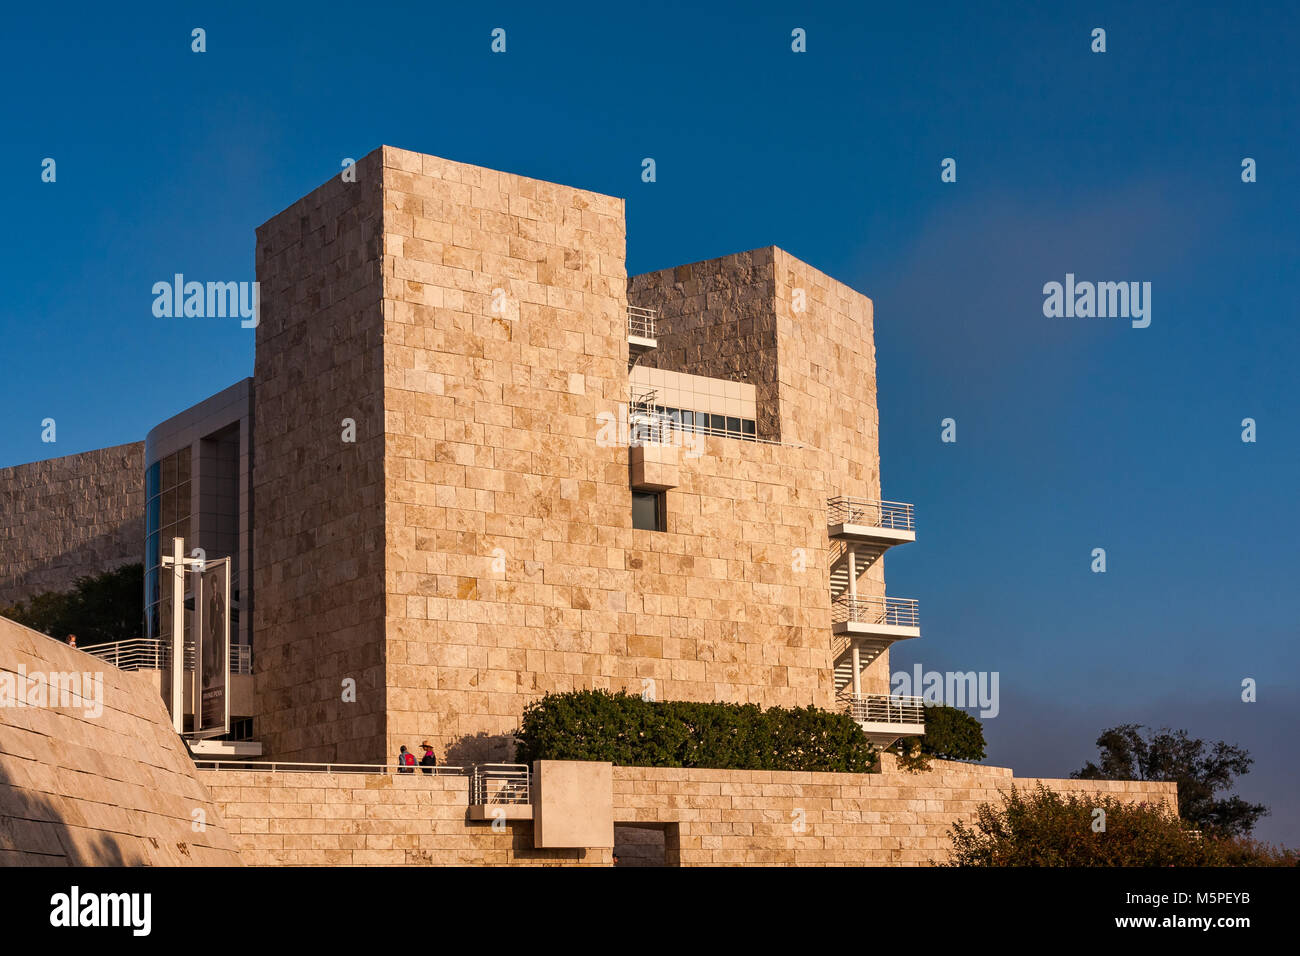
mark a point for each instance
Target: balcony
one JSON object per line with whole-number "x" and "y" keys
{"x": 640, "y": 330}
{"x": 500, "y": 791}
{"x": 884, "y": 718}
{"x": 881, "y": 618}
{"x": 151, "y": 654}
{"x": 875, "y": 525}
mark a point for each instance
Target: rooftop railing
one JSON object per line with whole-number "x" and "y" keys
{"x": 145, "y": 653}
{"x": 641, "y": 322}
{"x": 499, "y": 783}
{"x": 894, "y": 612}
{"x": 884, "y": 708}
{"x": 895, "y": 515}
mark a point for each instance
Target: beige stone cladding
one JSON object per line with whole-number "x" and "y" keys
{"x": 480, "y": 551}
{"x": 354, "y": 819}
{"x": 318, "y": 499}
{"x": 718, "y": 319}
{"x": 709, "y": 817}
{"x": 71, "y": 516}
{"x": 512, "y": 566}
{"x": 101, "y": 779}
{"x": 805, "y": 342}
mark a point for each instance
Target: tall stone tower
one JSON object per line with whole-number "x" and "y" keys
{"x": 443, "y": 529}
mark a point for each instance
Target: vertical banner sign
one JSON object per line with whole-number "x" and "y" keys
{"x": 212, "y": 651}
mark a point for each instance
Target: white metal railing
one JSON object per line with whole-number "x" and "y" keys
{"x": 286, "y": 766}
{"x": 650, "y": 423}
{"x": 641, "y": 322}
{"x": 497, "y": 783}
{"x": 895, "y": 515}
{"x": 884, "y": 708}
{"x": 896, "y": 612}
{"x": 145, "y": 653}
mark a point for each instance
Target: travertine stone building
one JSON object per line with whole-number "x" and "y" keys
{"x": 63, "y": 518}
{"x": 475, "y": 547}
{"x": 476, "y": 462}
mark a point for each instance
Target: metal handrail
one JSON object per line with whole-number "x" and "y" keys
{"x": 500, "y": 783}
{"x": 884, "y": 708}
{"x": 895, "y": 515}
{"x": 290, "y": 766}
{"x": 641, "y": 321}
{"x": 147, "y": 653}
{"x": 896, "y": 612}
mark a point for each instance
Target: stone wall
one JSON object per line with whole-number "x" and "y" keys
{"x": 66, "y": 517}
{"x": 696, "y": 817}
{"x": 512, "y": 568}
{"x": 318, "y": 500}
{"x": 103, "y": 780}
{"x": 806, "y": 342}
{"x": 717, "y": 318}
{"x": 474, "y": 549}
{"x": 356, "y": 819}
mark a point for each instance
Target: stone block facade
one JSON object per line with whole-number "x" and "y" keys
{"x": 318, "y": 500}
{"x": 474, "y": 548}
{"x": 66, "y": 517}
{"x": 103, "y": 781}
{"x": 688, "y": 817}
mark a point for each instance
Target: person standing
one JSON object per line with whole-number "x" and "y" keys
{"x": 405, "y": 761}
{"x": 72, "y": 640}
{"x": 429, "y": 760}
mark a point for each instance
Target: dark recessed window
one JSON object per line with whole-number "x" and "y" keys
{"x": 648, "y": 510}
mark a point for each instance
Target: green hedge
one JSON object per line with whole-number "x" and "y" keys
{"x": 631, "y": 732}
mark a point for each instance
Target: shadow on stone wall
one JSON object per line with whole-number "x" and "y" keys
{"x": 480, "y": 748}
{"x": 33, "y": 832}
{"x": 104, "y": 552}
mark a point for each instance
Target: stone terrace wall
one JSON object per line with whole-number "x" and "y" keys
{"x": 355, "y": 819}
{"x": 729, "y": 817}
{"x": 114, "y": 788}
{"x": 66, "y": 517}
{"x": 722, "y": 817}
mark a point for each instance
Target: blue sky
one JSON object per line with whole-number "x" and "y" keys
{"x": 1072, "y": 434}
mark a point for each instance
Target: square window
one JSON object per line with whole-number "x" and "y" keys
{"x": 648, "y": 510}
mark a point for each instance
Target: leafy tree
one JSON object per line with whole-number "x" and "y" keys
{"x": 632, "y": 732}
{"x": 1201, "y": 770}
{"x": 99, "y": 608}
{"x": 1046, "y": 828}
{"x": 950, "y": 734}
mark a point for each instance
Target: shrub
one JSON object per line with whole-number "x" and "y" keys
{"x": 1046, "y": 828}
{"x": 632, "y": 732}
{"x": 950, "y": 734}
{"x": 98, "y": 608}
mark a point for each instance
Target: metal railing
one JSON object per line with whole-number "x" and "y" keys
{"x": 650, "y": 423}
{"x": 145, "y": 653}
{"x": 641, "y": 322}
{"x": 497, "y": 783}
{"x": 895, "y": 515}
{"x": 884, "y": 708}
{"x": 285, "y": 766}
{"x": 896, "y": 612}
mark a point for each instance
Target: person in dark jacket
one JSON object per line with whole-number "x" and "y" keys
{"x": 405, "y": 761}
{"x": 428, "y": 761}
